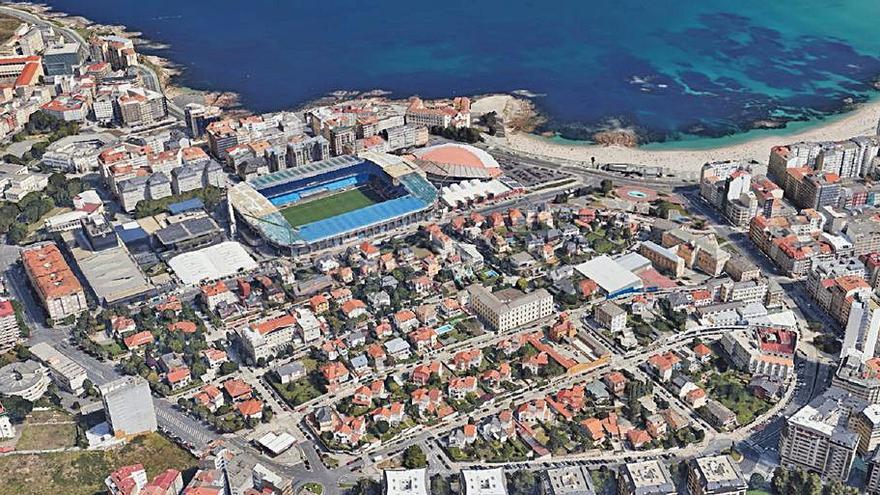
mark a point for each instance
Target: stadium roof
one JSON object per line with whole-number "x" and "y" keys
{"x": 301, "y": 171}
{"x": 211, "y": 263}
{"x": 609, "y": 275}
{"x": 261, "y": 214}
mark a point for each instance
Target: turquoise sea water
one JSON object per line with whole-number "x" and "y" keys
{"x": 673, "y": 69}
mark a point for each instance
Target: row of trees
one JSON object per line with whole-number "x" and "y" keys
{"x": 799, "y": 482}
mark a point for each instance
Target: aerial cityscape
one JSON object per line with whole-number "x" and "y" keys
{"x": 368, "y": 292}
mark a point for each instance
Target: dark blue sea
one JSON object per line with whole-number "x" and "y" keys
{"x": 674, "y": 69}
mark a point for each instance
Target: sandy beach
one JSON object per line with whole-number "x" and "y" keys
{"x": 861, "y": 121}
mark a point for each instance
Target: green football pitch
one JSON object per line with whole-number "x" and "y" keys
{"x": 330, "y": 206}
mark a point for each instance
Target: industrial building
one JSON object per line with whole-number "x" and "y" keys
{"x": 128, "y": 406}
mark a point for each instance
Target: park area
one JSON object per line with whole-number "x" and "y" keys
{"x": 329, "y": 206}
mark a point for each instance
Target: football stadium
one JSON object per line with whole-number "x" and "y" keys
{"x": 332, "y": 202}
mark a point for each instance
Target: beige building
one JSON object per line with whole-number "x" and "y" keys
{"x": 509, "y": 308}
{"x": 867, "y": 425}
{"x": 638, "y": 478}
{"x": 54, "y": 282}
{"x": 818, "y": 437}
{"x": 665, "y": 260}
{"x": 716, "y": 475}
{"x": 611, "y": 316}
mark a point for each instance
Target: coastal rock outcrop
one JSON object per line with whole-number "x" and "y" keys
{"x": 621, "y": 137}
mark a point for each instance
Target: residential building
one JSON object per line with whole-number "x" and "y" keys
{"x": 665, "y": 260}
{"x": 611, "y": 316}
{"x": 127, "y": 480}
{"x": 645, "y": 478}
{"x": 715, "y": 475}
{"x": 862, "y": 329}
{"x": 405, "y": 482}
{"x": 573, "y": 480}
{"x": 9, "y": 331}
{"x": 818, "y": 438}
{"x": 866, "y": 423}
{"x": 483, "y": 482}
{"x": 56, "y": 286}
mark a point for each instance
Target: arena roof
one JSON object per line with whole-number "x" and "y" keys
{"x": 609, "y": 275}
{"x": 457, "y": 154}
{"x": 211, "y": 263}
{"x": 453, "y": 160}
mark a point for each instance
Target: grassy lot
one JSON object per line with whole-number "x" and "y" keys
{"x": 47, "y": 430}
{"x": 83, "y": 472}
{"x": 330, "y": 206}
{"x": 8, "y": 25}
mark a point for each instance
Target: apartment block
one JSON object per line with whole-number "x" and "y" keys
{"x": 56, "y": 286}
{"x": 818, "y": 437}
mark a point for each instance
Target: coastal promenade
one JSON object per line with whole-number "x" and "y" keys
{"x": 861, "y": 121}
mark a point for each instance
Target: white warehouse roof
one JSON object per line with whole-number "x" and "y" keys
{"x": 211, "y": 263}
{"x": 469, "y": 190}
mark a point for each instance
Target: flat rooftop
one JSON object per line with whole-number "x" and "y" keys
{"x": 405, "y": 482}
{"x": 573, "y": 480}
{"x": 112, "y": 273}
{"x": 649, "y": 477}
{"x": 484, "y": 481}
{"x": 718, "y": 472}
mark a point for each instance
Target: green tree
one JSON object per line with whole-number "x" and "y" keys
{"x": 440, "y": 485}
{"x": 17, "y": 233}
{"x": 414, "y": 457}
{"x": 365, "y": 486}
{"x": 522, "y": 482}
{"x": 812, "y": 485}
{"x": 606, "y": 186}
{"x": 756, "y": 481}
{"x": 16, "y": 407}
